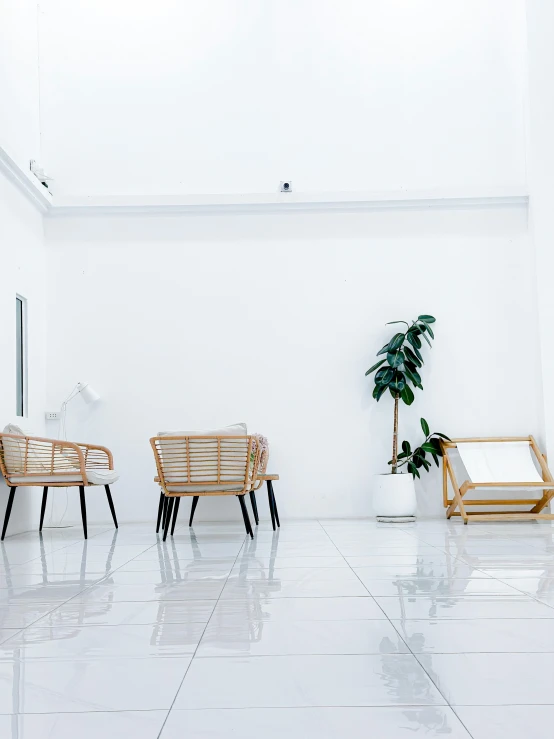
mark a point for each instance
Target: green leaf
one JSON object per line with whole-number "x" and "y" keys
{"x": 412, "y": 357}
{"x": 437, "y": 446}
{"x": 435, "y": 457}
{"x": 427, "y": 339}
{"x": 384, "y": 376}
{"x": 390, "y": 323}
{"x": 426, "y": 464}
{"x": 414, "y": 340}
{"x": 398, "y": 383}
{"x": 430, "y": 331}
{"x": 396, "y": 342}
{"x": 396, "y": 358}
{"x": 413, "y": 469}
{"x": 384, "y": 350}
{"x": 407, "y": 395}
{"x": 425, "y": 427}
{"x": 428, "y": 447}
{"x": 443, "y": 436}
{"x": 410, "y": 375}
{"x": 427, "y": 319}
{"x": 406, "y": 448}
{"x": 378, "y": 391}
{"x": 413, "y": 374}
{"x": 377, "y": 364}
{"x": 418, "y": 354}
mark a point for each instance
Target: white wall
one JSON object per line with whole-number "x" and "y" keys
{"x": 540, "y": 22}
{"x": 232, "y": 96}
{"x": 192, "y": 321}
{"x": 23, "y": 268}
{"x": 19, "y": 81}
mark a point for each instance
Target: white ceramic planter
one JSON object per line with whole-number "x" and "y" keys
{"x": 394, "y": 496}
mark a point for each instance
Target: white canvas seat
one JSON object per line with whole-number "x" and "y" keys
{"x": 510, "y": 463}
{"x": 71, "y": 477}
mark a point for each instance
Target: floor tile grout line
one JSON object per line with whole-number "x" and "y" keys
{"x": 441, "y": 693}
{"x": 385, "y": 706}
{"x": 244, "y": 542}
{"x": 401, "y": 637}
{"x": 355, "y": 573}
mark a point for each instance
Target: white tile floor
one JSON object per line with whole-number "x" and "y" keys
{"x": 322, "y": 630}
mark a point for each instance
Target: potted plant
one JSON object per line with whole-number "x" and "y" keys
{"x": 394, "y": 495}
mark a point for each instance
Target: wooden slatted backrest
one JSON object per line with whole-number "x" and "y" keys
{"x": 206, "y": 461}
{"x": 29, "y": 455}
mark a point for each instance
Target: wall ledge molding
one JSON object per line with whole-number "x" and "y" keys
{"x": 41, "y": 199}
{"x": 287, "y": 203}
{"x": 345, "y": 201}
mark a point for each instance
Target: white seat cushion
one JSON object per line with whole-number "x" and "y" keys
{"x": 14, "y": 448}
{"x": 174, "y": 453}
{"x": 236, "y": 429}
{"x": 198, "y": 489}
{"x": 95, "y": 476}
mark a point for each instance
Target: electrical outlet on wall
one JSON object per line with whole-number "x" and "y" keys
{"x": 53, "y": 415}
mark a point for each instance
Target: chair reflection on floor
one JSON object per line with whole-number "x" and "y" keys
{"x": 53, "y": 588}
{"x": 247, "y": 626}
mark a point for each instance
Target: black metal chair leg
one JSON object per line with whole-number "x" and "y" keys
{"x": 110, "y": 501}
{"x": 164, "y": 512}
{"x": 275, "y": 511}
{"x": 168, "y": 516}
{"x": 160, "y": 509}
{"x": 8, "y": 511}
{"x": 175, "y": 512}
{"x": 83, "y": 509}
{"x": 245, "y": 516}
{"x": 193, "y": 508}
{"x": 270, "y": 501}
{"x": 43, "y": 507}
{"x": 254, "y": 507}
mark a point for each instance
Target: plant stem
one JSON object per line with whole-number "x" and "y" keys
{"x": 395, "y": 437}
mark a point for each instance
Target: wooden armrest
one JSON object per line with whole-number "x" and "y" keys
{"x": 95, "y": 455}
{"x": 267, "y": 476}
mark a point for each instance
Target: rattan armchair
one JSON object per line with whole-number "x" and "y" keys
{"x": 195, "y": 466}
{"x": 27, "y": 461}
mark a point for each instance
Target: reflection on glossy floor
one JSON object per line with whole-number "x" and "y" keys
{"x": 325, "y": 629}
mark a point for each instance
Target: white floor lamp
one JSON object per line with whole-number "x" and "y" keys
{"x": 87, "y": 393}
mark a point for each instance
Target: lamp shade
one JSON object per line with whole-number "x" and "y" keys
{"x": 88, "y": 394}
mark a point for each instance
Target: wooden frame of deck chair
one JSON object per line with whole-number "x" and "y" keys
{"x": 518, "y": 444}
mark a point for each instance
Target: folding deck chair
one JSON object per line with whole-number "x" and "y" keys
{"x": 497, "y": 463}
